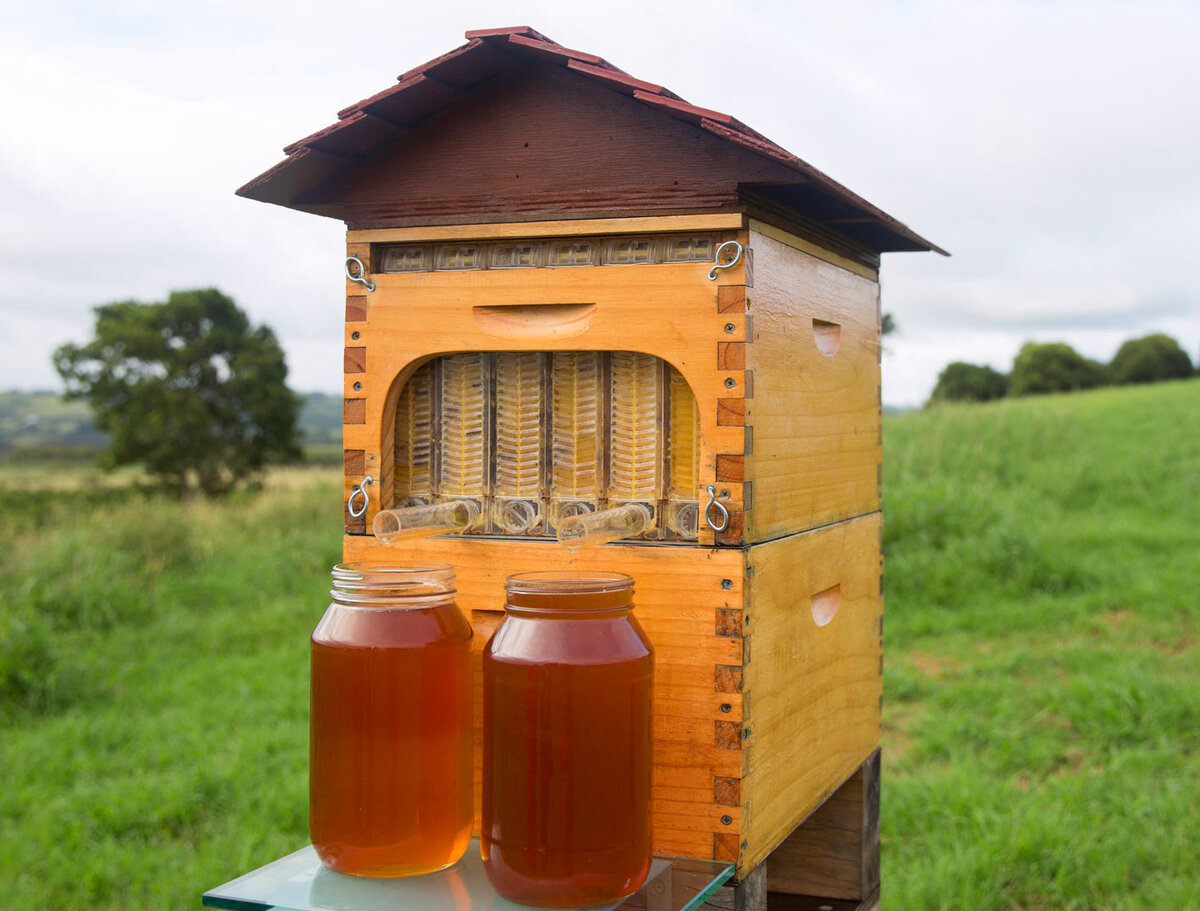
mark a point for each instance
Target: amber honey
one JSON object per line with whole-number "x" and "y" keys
{"x": 391, "y": 750}
{"x": 566, "y": 753}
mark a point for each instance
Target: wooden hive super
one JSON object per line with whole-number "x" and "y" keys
{"x": 523, "y": 209}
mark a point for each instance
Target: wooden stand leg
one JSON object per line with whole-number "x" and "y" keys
{"x": 750, "y": 894}
{"x": 831, "y": 861}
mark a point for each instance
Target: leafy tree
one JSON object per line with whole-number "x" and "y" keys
{"x": 1149, "y": 360}
{"x": 187, "y": 388}
{"x": 963, "y": 382}
{"x": 1053, "y": 367}
{"x": 887, "y": 324}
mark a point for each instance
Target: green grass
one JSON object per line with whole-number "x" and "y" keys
{"x": 1042, "y": 678}
{"x": 153, "y": 688}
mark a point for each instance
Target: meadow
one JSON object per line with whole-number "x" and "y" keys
{"x": 1042, "y": 674}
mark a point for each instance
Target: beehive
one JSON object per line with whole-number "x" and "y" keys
{"x": 547, "y": 336}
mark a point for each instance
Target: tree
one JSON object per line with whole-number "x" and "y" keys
{"x": 963, "y": 382}
{"x": 1149, "y": 360}
{"x": 187, "y": 388}
{"x": 1052, "y": 367}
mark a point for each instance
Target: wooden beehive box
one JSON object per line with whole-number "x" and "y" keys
{"x": 518, "y": 196}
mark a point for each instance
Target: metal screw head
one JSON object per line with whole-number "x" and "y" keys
{"x": 730, "y": 382}
{"x": 358, "y": 387}
{"x": 727, "y": 584}
{"x": 356, "y": 335}
{"x": 726, "y": 820}
{"x": 730, "y": 328}
{"x": 726, "y": 707}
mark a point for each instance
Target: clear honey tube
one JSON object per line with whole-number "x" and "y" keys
{"x": 575, "y": 433}
{"x": 463, "y": 456}
{"x": 519, "y": 442}
{"x": 635, "y": 472}
{"x": 683, "y": 457}
{"x": 413, "y": 453}
{"x": 420, "y": 521}
{"x": 626, "y": 521}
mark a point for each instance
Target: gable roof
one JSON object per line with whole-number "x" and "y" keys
{"x": 325, "y": 158}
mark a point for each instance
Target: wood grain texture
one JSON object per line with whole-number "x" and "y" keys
{"x": 354, "y": 463}
{"x": 354, "y": 412}
{"x": 356, "y": 308}
{"x": 678, "y": 594}
{"x": 667, "y": 310}
{"x": 835, "y": 852}
{"x": 649, "y": 224}
{"x": 543, "y": 140}
{"x": 811, "y": 693}
{"x": 815, "y": 418}
{"x": 731, "y": 299}
{"x": 355, "y": 360}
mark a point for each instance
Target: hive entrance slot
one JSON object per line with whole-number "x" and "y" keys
{"x": 534, "y": 438}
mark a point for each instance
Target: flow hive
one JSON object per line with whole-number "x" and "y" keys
{"x": 571, "y": 294}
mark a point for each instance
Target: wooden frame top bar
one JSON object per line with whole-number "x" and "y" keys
{"x": 653, "y": 224}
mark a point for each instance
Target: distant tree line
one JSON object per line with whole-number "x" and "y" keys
{"x": 1042, "y": 367}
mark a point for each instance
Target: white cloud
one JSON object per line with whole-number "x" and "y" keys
{"x": 1050, "y": 146}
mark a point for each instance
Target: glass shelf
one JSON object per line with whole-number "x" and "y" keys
{"x": 299, "y": 882}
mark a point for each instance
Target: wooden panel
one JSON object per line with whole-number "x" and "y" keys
{"x": 811, "y": 693}
{"x": 557, "y": 144}
{"x": 653, "y": 224}
{"x": 355, "y": 360}
{"x": 731, "y": 299}
{"x": 678, "y": 594}
{"x": 815, "y": 416}
{"x": 731, "y": 356}
{"x": 822, "y": 253}
{"x": 354, "y": 463}
{"x": 356, "y": 308}
{"x": 835, "y": 852}
{"x": 354, "y": 411}
{"x": 667, "y": 310}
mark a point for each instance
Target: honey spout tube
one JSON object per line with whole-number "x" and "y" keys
{"x": 420, "y": 521}
{"x": 606, "y": 525}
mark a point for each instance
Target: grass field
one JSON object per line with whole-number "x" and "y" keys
{"x": 1042, "y": 678}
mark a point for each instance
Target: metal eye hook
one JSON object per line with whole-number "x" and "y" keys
{"x": 737, "y": 257}
{"x": 721, "y": 510}
{"x": 361, "y": 278}
{"x": 360, "y": 488}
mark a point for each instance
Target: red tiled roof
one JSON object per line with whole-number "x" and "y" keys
{"x": 383, "y": 117}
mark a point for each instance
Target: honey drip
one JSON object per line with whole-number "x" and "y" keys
{"x": 414, "y": 436}
{"x": 636, "y": 434}
{"x": 518, "y": 424}
{"x": 464, "y": 461}
{"x": 575, "y": 382}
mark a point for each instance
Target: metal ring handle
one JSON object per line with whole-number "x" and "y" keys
{"x": 360, "y": 488}
{"x": 737, "y": 257}
{"x": 721, "y": 510}
{"x": 361, "y": 278}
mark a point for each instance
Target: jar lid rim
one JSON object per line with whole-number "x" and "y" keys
{"x": 549, "y": 581}
{"x": 400, "y": 578}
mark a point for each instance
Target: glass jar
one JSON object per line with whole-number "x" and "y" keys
{"x": 566, "y": 742}
{"x": 390, "y": 762}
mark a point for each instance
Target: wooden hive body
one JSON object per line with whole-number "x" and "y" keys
{"x": 768, "y": 634}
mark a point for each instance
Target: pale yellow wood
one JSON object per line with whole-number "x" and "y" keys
{"x": 807, "y": 246}
{"x": 812, "y": 693}
{"x": 678, "y": 593}
{"x": 667, "y": 310}
{"x": 716, "y": 221}
{"x": 815, "y": 417}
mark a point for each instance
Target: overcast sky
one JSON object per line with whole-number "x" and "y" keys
{"x": 1052, "y": 147}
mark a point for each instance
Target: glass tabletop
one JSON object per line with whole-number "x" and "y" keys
{"x": 299, "y": 882}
